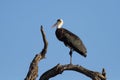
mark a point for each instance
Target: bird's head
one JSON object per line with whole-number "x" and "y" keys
{"x": 58, "y": 24}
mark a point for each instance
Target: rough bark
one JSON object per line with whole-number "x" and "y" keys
{"x": 58, "y": 69}
{"x": 33, "y": 69}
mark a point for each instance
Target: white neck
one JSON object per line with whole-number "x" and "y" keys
{"x": 59, "y": 26}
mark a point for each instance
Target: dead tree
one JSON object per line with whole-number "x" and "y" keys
{"x": 33, "y": 69}
{"x": 58, "y": 69}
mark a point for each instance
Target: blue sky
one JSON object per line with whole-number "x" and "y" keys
{"x": 96, "y": 22}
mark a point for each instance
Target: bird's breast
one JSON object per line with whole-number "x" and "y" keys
{"x": 59, "y": 34}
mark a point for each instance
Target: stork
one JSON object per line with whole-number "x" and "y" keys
{"x": 69, "y": 39}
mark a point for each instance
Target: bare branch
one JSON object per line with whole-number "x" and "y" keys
{"x": 33, "y": 69}
{"x": 58, "y": 69}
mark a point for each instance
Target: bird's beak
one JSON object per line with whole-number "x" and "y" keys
{"x": 55, "y": 25}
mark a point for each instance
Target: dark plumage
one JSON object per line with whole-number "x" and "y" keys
{"x": 69, "y": 39}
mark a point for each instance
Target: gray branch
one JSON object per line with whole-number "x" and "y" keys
{"x": 58, "y": 69}
{"x": 33, "y": 69}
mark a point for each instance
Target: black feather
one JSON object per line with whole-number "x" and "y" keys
{"x": 71, "y": 40}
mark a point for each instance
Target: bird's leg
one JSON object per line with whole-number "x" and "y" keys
{"x": 70, "y": 55}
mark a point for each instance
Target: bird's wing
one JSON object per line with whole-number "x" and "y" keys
{"x": 73, "y": 41}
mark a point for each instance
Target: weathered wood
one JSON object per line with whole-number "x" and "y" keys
{"x": 58, "y": 69}
{"x": 33, "y": 69}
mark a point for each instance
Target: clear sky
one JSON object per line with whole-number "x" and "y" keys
{"x": 96, "y": 22}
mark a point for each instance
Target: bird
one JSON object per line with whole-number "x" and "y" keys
{"x": 72, "y": 41}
